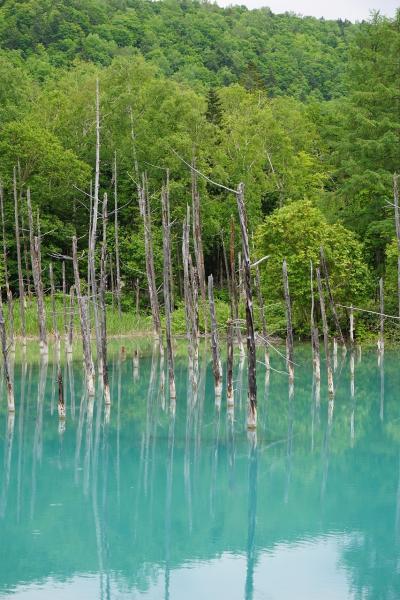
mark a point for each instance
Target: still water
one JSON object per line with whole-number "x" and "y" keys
{"x": 144, "y": 504}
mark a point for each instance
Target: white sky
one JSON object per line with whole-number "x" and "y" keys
{"x": 353, "y": 10}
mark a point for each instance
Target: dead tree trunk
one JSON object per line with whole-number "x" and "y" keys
{"x": 234, "y": 289}
{"x": 351, "y": 326}
{"x": 6, "y": 366}
{"x": 330, "y": 296}
{"x": 6, "y": 277}
{"x": 61, "y": 403}
{"x": 262, "y": 316}
{"x": 64, "y": 292}
{"x": 314, "y": 330}
{"x": 37, "y": 277}
{"x": 167, "y": 291}
{"x": 54, "y": 310}
{"x": 70, "y": 338}
{"x": 194, "y": 286}
{"x": 397, "y": 223}
{"x": 217, "y": 367}
{"x": 381, "y": 341}
{"x": 251, "y": 343}
{"x": 137, "y": 297}
{"x": 83, "y": 316}
{"x": 117, "y": 263}
{"x": 148, "y": 241}
{"x": 198, "y": 242}
{"x": 229, "y": 365}
{"x": 103, "y": 312}
{"x": 188, "y": 296}
{"x": 19, "y": 263}
{"x": 289, "y": 326}
{"x": 171, "y": 271}
{"x": 326, "y": 334}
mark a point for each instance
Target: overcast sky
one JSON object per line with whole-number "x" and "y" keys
{"x": 354, "y": 10}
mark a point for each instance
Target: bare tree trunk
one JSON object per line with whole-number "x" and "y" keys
{"x": 326, "y": 334}
{"x": 37, "y": 277}
{"x": 397, "y": 223}
{"x": 112, "y": 283}
{"x": 6, "y": 365}
{"x": 61, "y": 403}
{"x": 381, "y": 341}
{"x": 19, "y": 263}
{"x": 251, "y": 343}
{"x": 71, "y": 320}
{"x": 229, "y": 365}
{"x": 314, "y": 331}
{"x": 117, "y": 263}
{"x": 234, "y": 289}
{"x": 54, "y": 311}
{"x": 171, "y": 271}
{"x": 167, "y": 291}
{"x": 330, "y": 296}
{"x": 137, "y": 297}
{"x": 217, "y": 367}
{"x": 188, "y": 297}
{"x": 198, "y": 243}
{"x": 64, "y": 292}
{"x": 103, "y": 312}
{"x": 148, "y": 240}
{"x": 85, "y": 328}
{"x": 351, "y": 326}
{"x": 6, "y": 277}
{"x": 262, "y": 316}
{"x": 289, "y": 326}
{"x": 194, "y": 286}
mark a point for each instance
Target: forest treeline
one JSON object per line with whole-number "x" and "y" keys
{"x": 305, "y": 112}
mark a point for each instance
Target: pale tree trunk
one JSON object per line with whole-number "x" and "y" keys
{"x": 19, "y": 263}
{"x": 262, "y": 316}
{"x": 167, "y": 291}
{"x": 217, "y": 367}
{"x": 198, "y": 243}
{"x": 6, "y": 364}
{"x": 397, "y": 223}
{"x": 351, "y": 325}
{"x": 330, "y": 296}
{"x": 188, "y": 297}
{"x": 6, "y": 277}
{"x": 64, "y": 292}
{"x": 137, "y": 297}
{"x": 326, "y": 334}
{"x": 234, "y": 289}
{"x": 381, "y": 341}
{"x": 194, "y": 287}
{"x": 61, "y": 403}
{"x": 56, "y": 332}
{"x": 251, "y": 343}
{"x": 314, "y": 330}
{"x": 103, "y": 311}
{"x": 70, "y": 337}
{"x": 117, "y": 263}
{"x": 85, "y": 328}
{"x": 37, "y": 277}
{"x": 289, "y": 326}
{"x": 229, "y": 365}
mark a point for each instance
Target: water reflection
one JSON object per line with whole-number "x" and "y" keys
{"x": 147, "y": 499}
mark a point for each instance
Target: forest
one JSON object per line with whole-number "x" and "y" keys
{"x": 305, "y": 112}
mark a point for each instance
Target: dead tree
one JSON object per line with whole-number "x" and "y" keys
{"x": 330, "y": 295}
{"x": 117, "y": 262}
{"x": 397, "y": 223}
{"x": 144, "y": 205}
{"x": 54, "y": 309}
{"x": 6, "y": 365}
{"x": 229, "y": 364}
{"x": 198, "y": 242}
{"x": 167, "y": 289}
{"x": 381, "y": 340}
{"x": 351, "y": 325}
{"x": 6, "y": 276}
{"x": 217, "y": 367}
{"x": 64, "y": 292}
{"x": 61, "y": 403}
{"x": 289, "y": 326}
{"x": 194, "y": 287}
{"x": 314, "y": 330}
{"x": 70, "y": 337}
{"x": 326, "y": 333}
{"x": 262, "y": 316}
{"x": 188, "y": 296}
{"x": 35, "y": 242}
{"x": 103, "y": 311}
{"x": 84, "y": 321}
{"x": 234, "y": 289}
{"x": 251, "y": 342}
{"x": 19, "y": 263}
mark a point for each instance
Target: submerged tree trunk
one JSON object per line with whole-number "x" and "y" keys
{"x": 326, "y": 334}
{"x": 85, "y": 328}
{"x": 103, "y": 313}
{"x": 229, "y": 364}
{"x": 6, "y": 365}
{"x": 234, "y": 289}
{"x": 188, "y": 296}
{"x": 217, "y": 367}
{"x": 330, "y": 295}
{"x": 381, "y": 341}
{"x": 314, "y": 330}
{"x": 19, "y": 263}
{"x": 397, "y": 223}
{"x": 198, "y": 243}
{"x": 289, "y": 326}
{"x": 167, "y": 289}
{"x": 54, "y": 310}
{"x": 251, "y": 343}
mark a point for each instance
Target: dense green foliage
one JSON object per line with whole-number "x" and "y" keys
{"x": 304, "y": 111}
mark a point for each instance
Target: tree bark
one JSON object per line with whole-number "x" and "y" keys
{"x": 234, "y": 289}
{"x": 289, "y": 326}
{"x": 326, "y": 334}
{"x": 103, "y": 311}
{"x": 314, "y": 330}
{"x": 198, "y": 243}
{"x": 6, "y": 365}
{"x": 217, "y": 367}
{"x": 229, "y": 365}
{"x": 19, "y": 263}
{"x": 251, "y": 343}
{"x": 167, "y": 290}
{"x": 117, "y": 263}
{"x": 70, "y": 338}
{"x": 6, "y": 277}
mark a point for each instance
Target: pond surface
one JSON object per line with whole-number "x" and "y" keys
{"x": 144, "y": 504}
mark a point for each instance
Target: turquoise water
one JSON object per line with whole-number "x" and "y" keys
{"x": 141, "y": 504}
